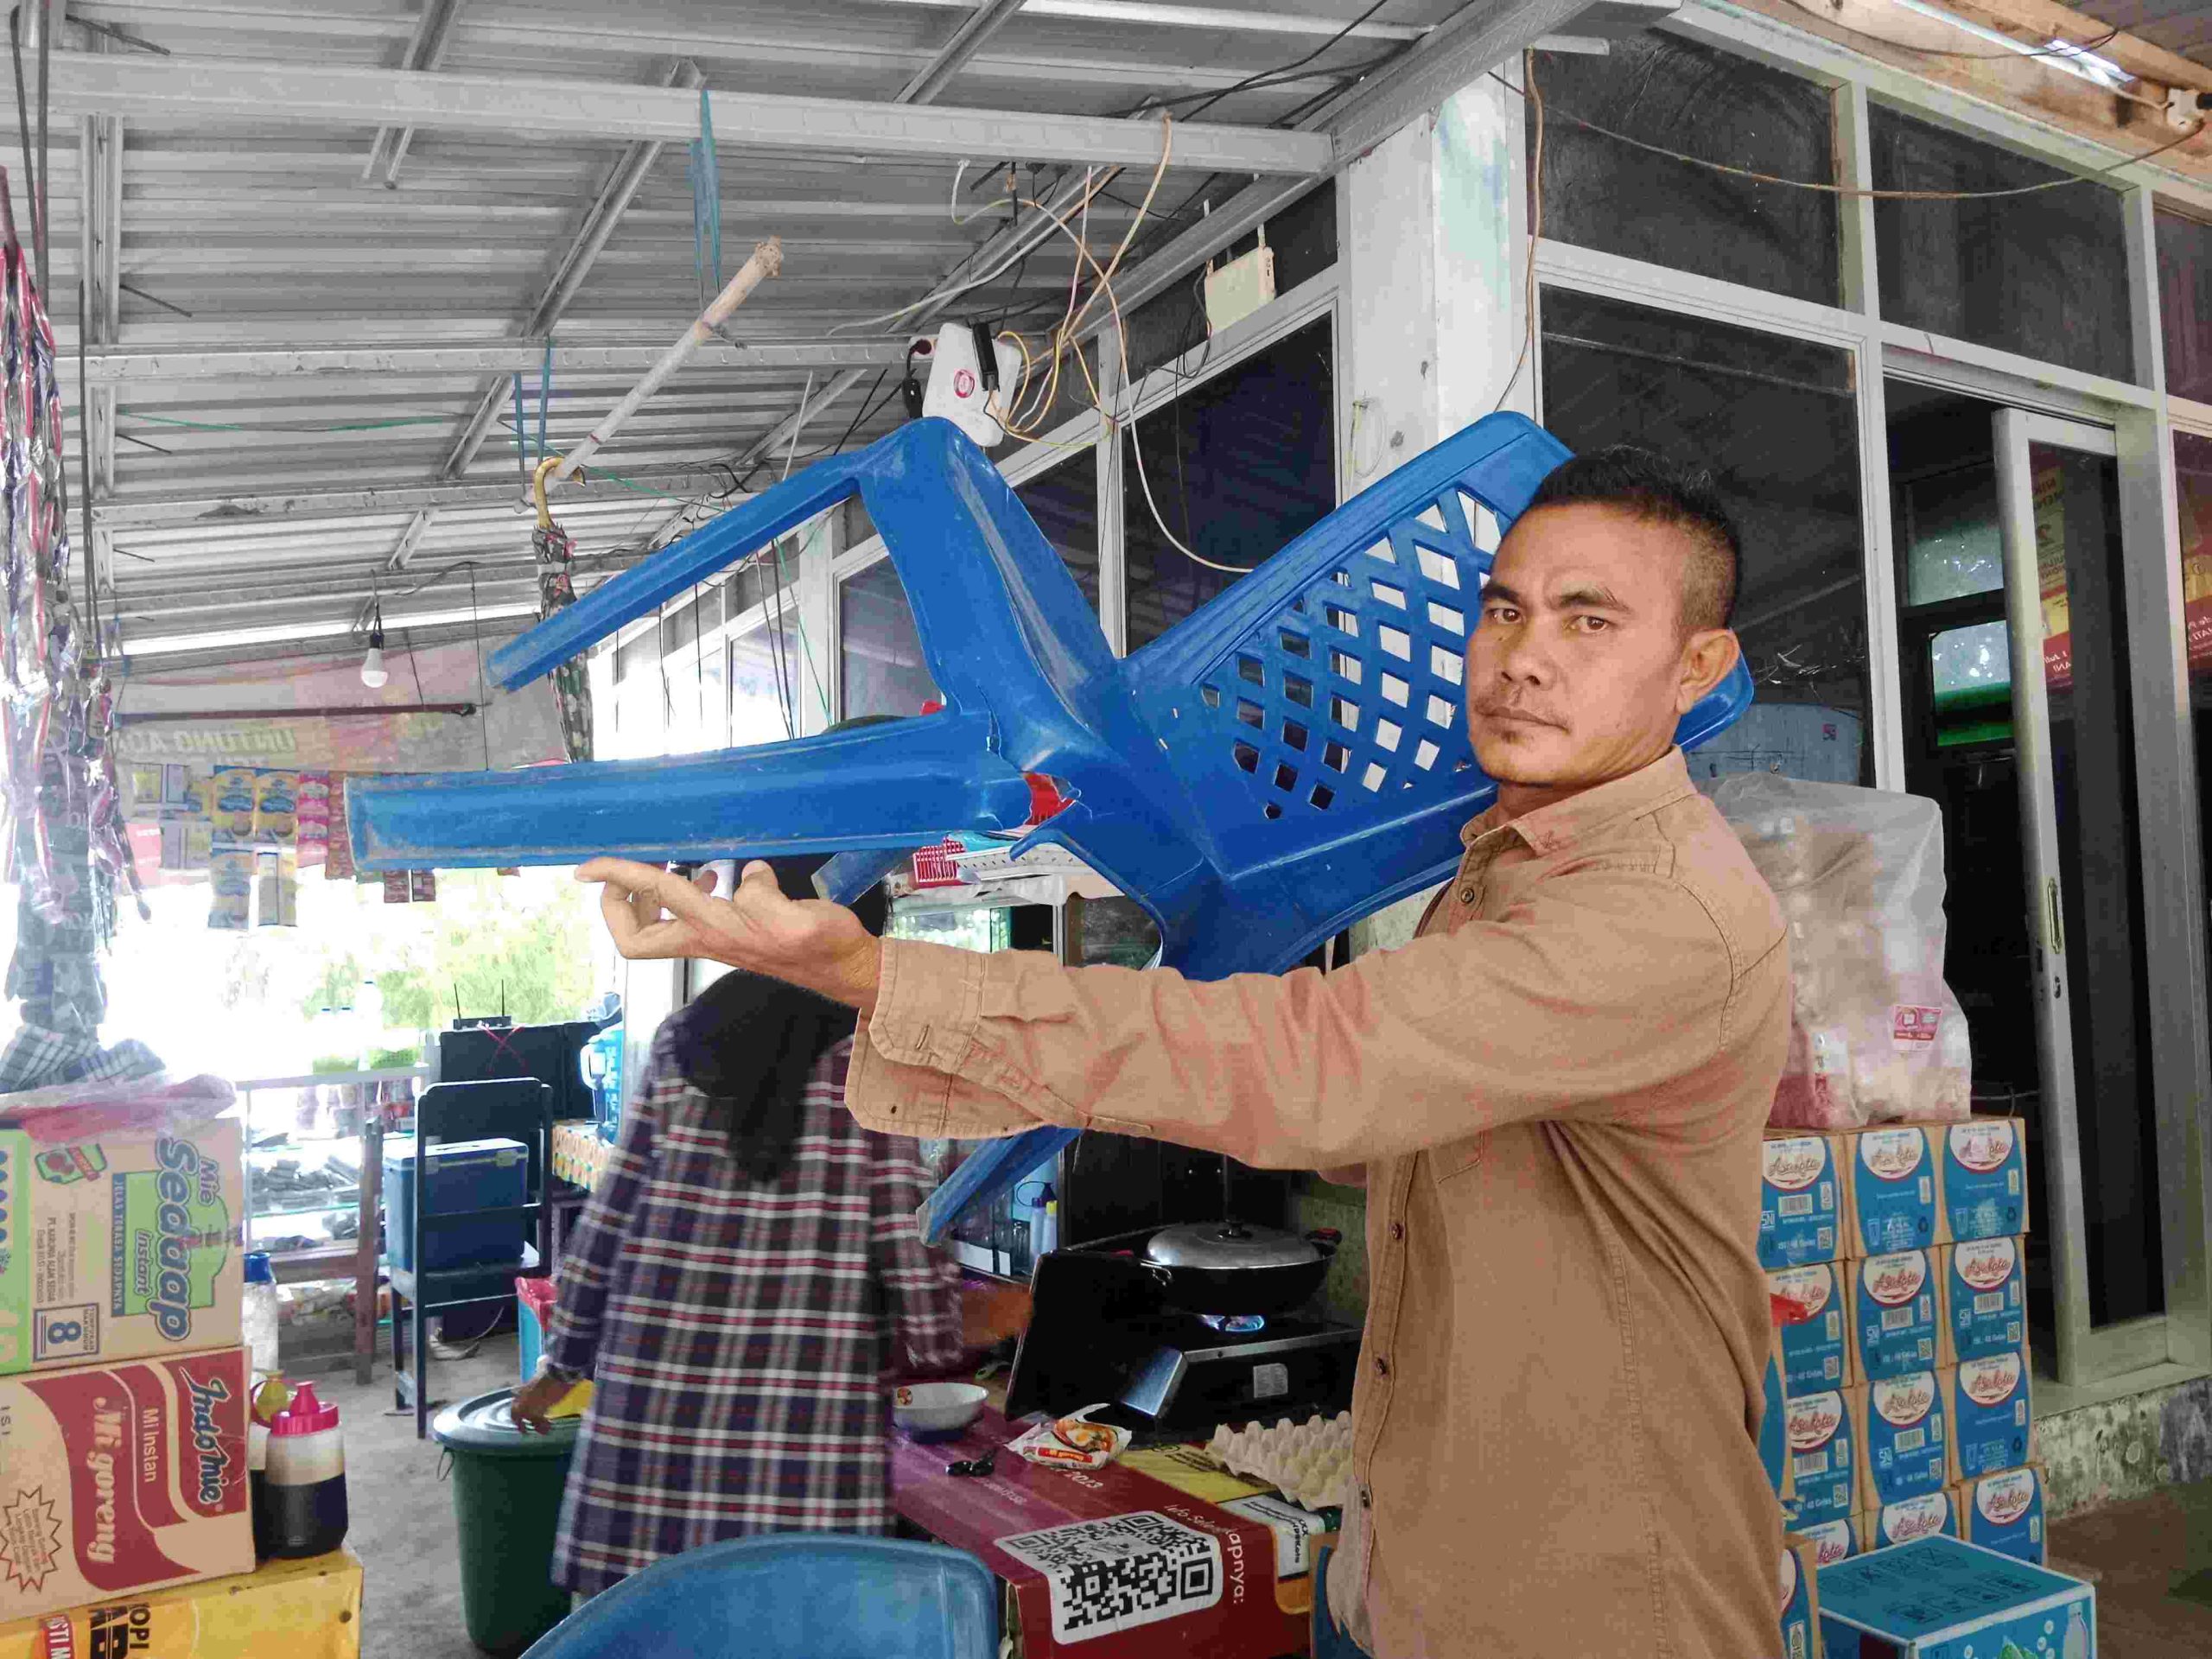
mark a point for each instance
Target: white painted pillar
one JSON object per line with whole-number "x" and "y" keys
{"x": 1480, "y": 241}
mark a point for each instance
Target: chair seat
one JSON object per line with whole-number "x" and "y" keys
{"x": 489, "y": 1281}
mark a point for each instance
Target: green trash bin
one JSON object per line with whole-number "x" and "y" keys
{"x": 506, "y": 1501}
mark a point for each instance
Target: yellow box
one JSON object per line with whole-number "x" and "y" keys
{"x": 287, "y": 1609}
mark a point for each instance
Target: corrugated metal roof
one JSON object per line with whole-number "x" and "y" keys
{"x": 231, "y": 234}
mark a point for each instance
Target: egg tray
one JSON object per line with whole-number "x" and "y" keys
{"x": 1309, "y": 1463}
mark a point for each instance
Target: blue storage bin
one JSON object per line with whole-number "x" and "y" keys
{"x": 462, "y": 1175}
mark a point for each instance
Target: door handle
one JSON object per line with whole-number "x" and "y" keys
{"x": 2052, "y": 911}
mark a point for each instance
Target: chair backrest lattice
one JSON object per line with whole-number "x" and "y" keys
{"x": 1347, "y": 703}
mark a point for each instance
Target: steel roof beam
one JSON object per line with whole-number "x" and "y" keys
{"x": 573, "y": 266}
{"x": 338, "y": 95}
{"x": 111, "y": 365}
{"x": 971, "y": 37}
{"x": 243, "y": 507}
{"x": 425, "y": 50}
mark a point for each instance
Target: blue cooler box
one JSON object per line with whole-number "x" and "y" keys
{"x": 463, "y": 1175}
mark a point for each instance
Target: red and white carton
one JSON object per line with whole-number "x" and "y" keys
{"x": 120, "y": 1478}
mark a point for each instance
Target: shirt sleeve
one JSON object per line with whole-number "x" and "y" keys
{"x": 1602, "y": 983}
{"x": 587, "y": 1269}
{"x": 921, "y": 1288}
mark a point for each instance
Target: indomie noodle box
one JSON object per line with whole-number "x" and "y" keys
{"x": 120, "y": 1247}
{"x": 121, "y": 1478}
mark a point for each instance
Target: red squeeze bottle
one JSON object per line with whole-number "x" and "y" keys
{"x": 304, "y": 1486}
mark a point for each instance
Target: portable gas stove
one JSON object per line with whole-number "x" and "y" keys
{"x": 1099, "y": 1331}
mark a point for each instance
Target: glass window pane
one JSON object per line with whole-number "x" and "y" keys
{"x": 2185, "y": 302}
{"x": 1949, "y": 536}
{"x": 1600, "y": 193}
{"x": 1238, "y": 466}
{"x": 764, "y": 686}
{"x": 1776, "y": 421}
{"x": 1977, "y": 657}
{"x": 1064, "y": 503}
{"x": 2043, "y": 275}
{"x": 879, "y": 653}
{"x": 2085, "y": 656}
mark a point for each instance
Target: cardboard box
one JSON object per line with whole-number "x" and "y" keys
{"x": 1985, "y": 1295}
{"x": 1890, "y": 1181}
{"x": 119, "y": 1247}
{"x": 1942, "y": 1597}
{"x": 1801, "y": 1196}
{"x": 1812, "y": 1344}
{"x": 1898, "y": 1323}
{"x": 298, "y": 1610}
{"x": 1823, "y": 1460}
{"x": 1985, "y": 1179}
{"x": 1774, "y": 1438}
{"x": 1832, "y": 1542}
{"x": 1903, "y": 1442}
{"x": 1914, "y": 1517}
{"x": 1801, "y": 1599}
{"x": 1992, "y": 1415}
{"x": 121, "y": 1478}
{"x": 2003, "y": 1512}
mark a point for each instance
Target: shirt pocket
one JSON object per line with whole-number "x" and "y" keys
{"x": 1459, "y": 1159}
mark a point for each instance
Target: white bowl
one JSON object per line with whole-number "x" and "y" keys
{"x": 935, "y": 1408}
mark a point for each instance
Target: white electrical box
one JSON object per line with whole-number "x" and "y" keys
{"x": 1236, "y": 290}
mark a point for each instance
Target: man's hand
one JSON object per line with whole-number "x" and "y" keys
{"x": 654, "y": 915}
{"x": 536, "y": 1398}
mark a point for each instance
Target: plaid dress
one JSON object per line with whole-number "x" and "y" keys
{"x": 739, "y": 1337}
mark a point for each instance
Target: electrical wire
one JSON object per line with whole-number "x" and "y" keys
{"x": 1246, "y": 85}
{"x": 1535, "y": 96}
{"x": 1852, "y": 193}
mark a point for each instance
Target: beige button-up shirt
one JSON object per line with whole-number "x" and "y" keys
{"x": 1558, "y": 1089}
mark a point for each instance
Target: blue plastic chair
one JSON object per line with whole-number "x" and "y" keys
{"x": 792, "y": 1596}
{"x": 1290, "y": 758}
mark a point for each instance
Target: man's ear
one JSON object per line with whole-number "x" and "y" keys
{"x": 1707, "y": 656}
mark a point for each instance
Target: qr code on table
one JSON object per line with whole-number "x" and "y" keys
{"x": 1121, "y": 1572}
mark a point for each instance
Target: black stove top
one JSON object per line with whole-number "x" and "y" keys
{"x": 1097, "y": 1331}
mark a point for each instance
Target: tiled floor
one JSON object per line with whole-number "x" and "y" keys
{"x": 2152, "y": 1560}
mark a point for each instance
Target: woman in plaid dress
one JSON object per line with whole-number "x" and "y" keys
{"x": 738, "y": 1330}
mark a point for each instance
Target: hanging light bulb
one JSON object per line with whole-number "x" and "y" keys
{"x": 374, "y": 672}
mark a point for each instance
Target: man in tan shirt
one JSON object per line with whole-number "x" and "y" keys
{"x": 1556, "y": 1090}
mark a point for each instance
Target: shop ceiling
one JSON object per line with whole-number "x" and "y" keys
{"x": 324, "y": 238}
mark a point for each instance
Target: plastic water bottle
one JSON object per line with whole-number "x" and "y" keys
{"x": 304, "y": 1488}
{"x": 258, "y": 1317}
{"x": 1045, "y": 1234}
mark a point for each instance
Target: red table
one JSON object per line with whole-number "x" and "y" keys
{"x": 1102, "y": 1564}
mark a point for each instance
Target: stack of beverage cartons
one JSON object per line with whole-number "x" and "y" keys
{"x": 122, "y": 1387}
{"x": 1894, "y": 1262}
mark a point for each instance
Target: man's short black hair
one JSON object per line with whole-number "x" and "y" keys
{"x": 1654, "y": 489}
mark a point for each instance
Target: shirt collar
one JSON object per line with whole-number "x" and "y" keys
{"x": 1547, "y": 830}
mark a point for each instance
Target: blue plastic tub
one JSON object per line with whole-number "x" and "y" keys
{"x": 463, "y": 1175}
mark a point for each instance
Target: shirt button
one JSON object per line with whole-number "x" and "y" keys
{"x": 1467, "y": 895}
{"x": 1397, "y": 1230}
{"x": 1366, "y": 1498}
{"x": 1381, "y": 1366}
